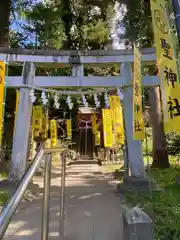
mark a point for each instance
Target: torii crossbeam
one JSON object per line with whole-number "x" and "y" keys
{"x": 78, "y": 60}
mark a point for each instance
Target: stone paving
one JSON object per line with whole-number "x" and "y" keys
{"x": 93, "y": 211}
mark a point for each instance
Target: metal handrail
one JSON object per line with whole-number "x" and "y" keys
{"x": 11, "y": 206}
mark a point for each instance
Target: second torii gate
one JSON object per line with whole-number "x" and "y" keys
{"x": 77, "y": 60}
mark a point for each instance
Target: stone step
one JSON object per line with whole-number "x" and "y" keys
{"x": 83, "y": 162}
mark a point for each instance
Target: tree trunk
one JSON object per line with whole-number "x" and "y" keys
{"x": 5, "y": 6}
{"x": 67, "y": 19}
{"x": 160, "y": 155}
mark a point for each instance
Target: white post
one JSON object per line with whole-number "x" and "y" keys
{"x": 22, "y": 126}
{"x": 135, "y": 156}
{"x": 78, "y": 71}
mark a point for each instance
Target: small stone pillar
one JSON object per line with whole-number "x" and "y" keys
{"x": 137, "y": 225}
{"x": 134, "y": 149}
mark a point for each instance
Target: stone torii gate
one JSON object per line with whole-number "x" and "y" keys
{"x": 78, "y": 60}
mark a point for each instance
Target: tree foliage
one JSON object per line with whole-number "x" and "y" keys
{"x": 64, "y": 24}
{"x": 138, "y": 23}
{"x": 61, "y": 25}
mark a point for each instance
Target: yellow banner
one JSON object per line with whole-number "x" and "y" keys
{"x": 45, "y": 124}
{"x": 163, "y": 38}
{"x": 97, "y": 138}
{"x": 53, "y": 132}
{"x": 107, "y": 127}
{"x": 119, "y": 130}
{"x": 138, "y": 121}
{"x": 119, "y": 126}
{"x": 117, "y": 119}
{"x": 114, "y": 139}
{"x": 17, "y": 103}
{"x": 69, "y": 128}
{"x": 37, "y": 121}
{"x": 167, "y": 65}
{"x": 112, "y": 107}
{"x": 2, "y": 83}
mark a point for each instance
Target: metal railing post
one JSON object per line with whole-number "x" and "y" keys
{"x": 46, "y": 197}
{"x": 13, "y": 203}
{"x": 62, "y": 202}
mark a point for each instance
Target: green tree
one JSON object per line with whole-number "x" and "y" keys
{"x": 62, "y": 25}
{"x": 138, "y": 24}
{"x": 67, "y": 24}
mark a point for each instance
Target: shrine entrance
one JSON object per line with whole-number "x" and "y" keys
{"x": 85, "y": 140}
{"x": 78, "y": 62}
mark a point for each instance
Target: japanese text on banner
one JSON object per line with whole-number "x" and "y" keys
{"x": 117, "y": 119}
{"x": 112, "y": 107}
{"x": 138, "y": 121}
{"x": 107, "y": 127}
{"x": 45, "y": 126}
{"x": 53, "y": 132}
{"x": 69, "y": 128}
{"x": 2, "y": 84}
{"x": 95, "y": 130}
{"x": 167, "y": 65}
{"x": 37, "y": 121}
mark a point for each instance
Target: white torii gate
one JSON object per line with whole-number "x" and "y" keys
{"x": 77, "y": 59}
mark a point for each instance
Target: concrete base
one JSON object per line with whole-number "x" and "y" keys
{"x": 137, "y": 184}
{"x": 119, "y": 173}
{"x": 136, "y": 224}
{"x": 8, "y": 185}
{"x": 178, "y": 180}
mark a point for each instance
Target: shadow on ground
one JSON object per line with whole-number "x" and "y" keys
{"x": 92, "y": 211}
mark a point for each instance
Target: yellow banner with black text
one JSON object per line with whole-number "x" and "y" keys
{"x": 37, "y": 121}
{"x": 107, "y": 127}
{"x": 167, "y": 66}
{"x": 138, "y": 121}
{"x": 69, "y": 128}
{"x": 117, "y": 120}
{"x": 53, "y": 132}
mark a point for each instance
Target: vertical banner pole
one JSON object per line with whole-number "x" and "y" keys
{"x": 3, "y": 89}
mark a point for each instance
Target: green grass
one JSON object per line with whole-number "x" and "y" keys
{"x": 4, "y": 195}
{"x": 163, "y": 207}
{"x": 3, "y": 175}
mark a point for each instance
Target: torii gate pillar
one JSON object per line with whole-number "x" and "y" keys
{"x": 22, "y": 126}
{"x": 135, "y": 156}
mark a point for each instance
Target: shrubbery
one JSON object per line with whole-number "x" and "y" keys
{"x": 173, "y": 144}
{"x": 163, "y": 207}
